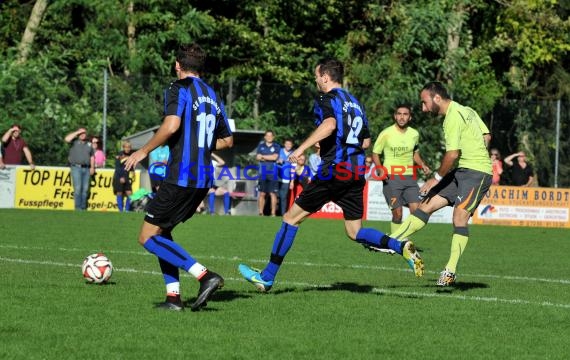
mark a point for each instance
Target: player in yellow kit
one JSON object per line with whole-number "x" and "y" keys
{"x": 398, "y": 145}
{"x": 463, "y": 187}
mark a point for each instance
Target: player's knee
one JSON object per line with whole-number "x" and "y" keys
{"x": 292, "y": 220}
{"x": 142, "y": 239}
{"x": 351, "y": 232}
{"x": 397, "y": 219}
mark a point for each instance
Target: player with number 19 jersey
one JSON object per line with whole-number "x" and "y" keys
{"x": 203, "y": 120}
{"x": 343, "y": 147}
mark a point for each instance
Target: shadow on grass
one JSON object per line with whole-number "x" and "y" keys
{"x": 461, "y": 286}
{"x": 218, "y": 296}
{"x": 106, "y": 283}
{"x": 343, "y": 286}
{"x": 227, "y": 295}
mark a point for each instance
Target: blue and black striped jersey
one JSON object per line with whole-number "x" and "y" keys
{"x": 345, "y": 145}
{"x": 203, "y": 121}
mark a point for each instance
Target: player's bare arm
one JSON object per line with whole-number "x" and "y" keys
{"x": 169, "y": 126}
{"x": 447, "y": 164}
{"x": 377, "y": 164}
{"x": 322, "y": 132}
{"x": 419, "y": 161}
{"x": 224, "y": 143}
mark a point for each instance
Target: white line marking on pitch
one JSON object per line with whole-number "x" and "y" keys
{"x": 353, "y": 266}
{"x": 375, "y": 290}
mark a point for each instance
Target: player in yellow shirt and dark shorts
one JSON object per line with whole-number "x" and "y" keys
{"x": 398, "y": 145}
{"x": 466, "y": 141}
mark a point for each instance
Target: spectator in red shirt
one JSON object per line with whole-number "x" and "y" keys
{"x": 15, "y": 146}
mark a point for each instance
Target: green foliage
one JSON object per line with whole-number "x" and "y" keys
{"x": 535, "y": 32}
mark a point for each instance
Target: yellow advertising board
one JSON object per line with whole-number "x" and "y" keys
{"x": 525, "y": 206}
{"x": 51, "y": 188}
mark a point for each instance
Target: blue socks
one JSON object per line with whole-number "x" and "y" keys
{"x": 281, "y": 245}
{"x": 120, "y": 202}
{"x": 120, "y": 206}
{"x": 211, "y": 202}
{"x": 169, "y": 251}
{"x": 378, "y": 239}
{"x": 227, "y": 203}
{"x": 169, "y": 272}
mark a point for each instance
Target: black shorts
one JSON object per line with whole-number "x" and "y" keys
{"x": 173, "y": 204}
{"x": 345, "y": 193}
{"x": 121, "y": 188}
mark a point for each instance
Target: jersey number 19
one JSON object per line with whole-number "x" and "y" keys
{"x": 206, "y": 125}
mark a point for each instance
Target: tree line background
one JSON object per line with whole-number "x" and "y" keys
{"x": 508, "y": 59}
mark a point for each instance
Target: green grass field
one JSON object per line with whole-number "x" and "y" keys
{"x": 332, "y": 299}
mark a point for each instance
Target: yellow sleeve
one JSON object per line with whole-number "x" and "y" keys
{"x": 380, "y": 143}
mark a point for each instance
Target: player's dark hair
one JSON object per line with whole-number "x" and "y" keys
{"x": 436, "y": 88}
{"x": 333, "y": 68}
{"x": 405, "y": 105}
{"x": 191, "y": 58}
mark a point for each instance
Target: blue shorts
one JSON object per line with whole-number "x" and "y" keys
{"x": 268, "y": 186}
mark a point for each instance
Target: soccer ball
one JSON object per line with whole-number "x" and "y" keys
{"x": 97, "y": 268}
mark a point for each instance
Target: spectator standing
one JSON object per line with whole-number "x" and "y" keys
{"x": 301, "y": 176}
{"x": 285, "y": 169}
{"x": 194, "y": 125}
{"x": 220, "y": 188}
{"x": 82, "y": 164}
{"x": 15, "y": 147}
{"x": 369, "y": 163}
{"x": 521, "y": 171}
{"x": 158, "y": 165}
{"x": 267, "y": 154}
{"x": 98, "y": 153}
{"x": 497, "y": 166}
{"x": 122, "y": 181}
{"x": 315, "y": 159}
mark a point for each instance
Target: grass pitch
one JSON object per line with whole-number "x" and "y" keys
{"x": 332, "y": 299}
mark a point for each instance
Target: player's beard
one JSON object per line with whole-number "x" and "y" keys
{"x": 435, "y": 108}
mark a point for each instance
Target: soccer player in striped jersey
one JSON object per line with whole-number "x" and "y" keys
{"x": 194, "y": 125}
{"x": 342, "y": 131}
{"x": 398, "y": 145}
{"x": 463, "y": 187}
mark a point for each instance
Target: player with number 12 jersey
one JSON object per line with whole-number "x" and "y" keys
{"x": 343, "y": 147}
{"x": 342, "y": 132}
